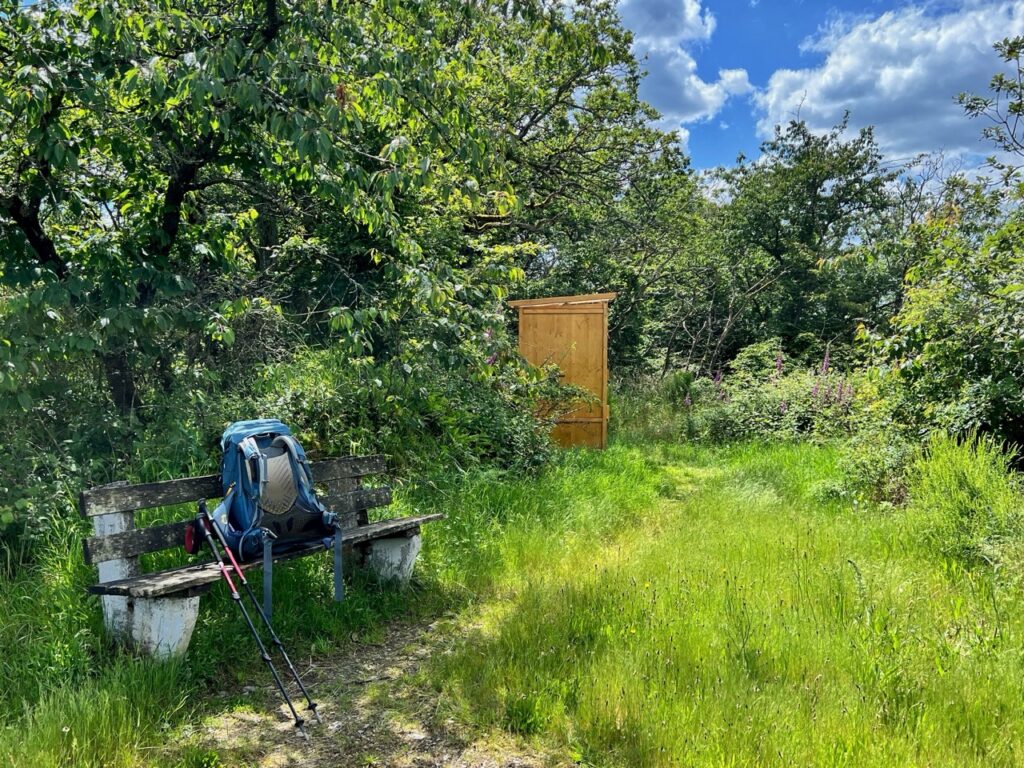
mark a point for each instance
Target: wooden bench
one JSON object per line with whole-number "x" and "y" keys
{"x": 155, "y": 613}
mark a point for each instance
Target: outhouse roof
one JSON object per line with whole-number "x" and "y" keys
{"x": 590, "y": 298}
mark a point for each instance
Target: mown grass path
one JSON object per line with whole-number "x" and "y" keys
{"x": 666, "y": 606}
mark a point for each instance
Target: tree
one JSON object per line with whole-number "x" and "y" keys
{"x": 635, "y": 241}
{"x": 1003, "y": 107}
{"x": 953, "y": 359}
{"x": 141, "y": 141}
{"x": 791, "y": 214}
{"x": 955, "y": 354}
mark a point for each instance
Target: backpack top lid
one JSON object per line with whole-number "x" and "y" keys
{"x": 237, "y": 432}
{"x": 232, "y": 462}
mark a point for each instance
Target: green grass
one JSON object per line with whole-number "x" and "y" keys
{"x": 743, "y": 619}
{"x": 648, "y": 605}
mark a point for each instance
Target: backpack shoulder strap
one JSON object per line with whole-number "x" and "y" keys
{"x": 250, "y": 449}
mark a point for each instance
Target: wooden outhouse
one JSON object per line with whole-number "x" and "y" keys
{"x": 572, "y": 333}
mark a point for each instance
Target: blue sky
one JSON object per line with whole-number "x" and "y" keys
{"x": 724, "y": 72}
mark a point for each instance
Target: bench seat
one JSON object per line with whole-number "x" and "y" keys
{"x": 191, "y": 579}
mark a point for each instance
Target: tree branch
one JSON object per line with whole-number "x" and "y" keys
{"x": 273, "y": 21}
{"x": 26, "y": 217}
{"x": 25, "y": 213}
{"x": 178, "y": 185}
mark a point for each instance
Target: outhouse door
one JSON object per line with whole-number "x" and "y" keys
{"x": 572, "y": 333}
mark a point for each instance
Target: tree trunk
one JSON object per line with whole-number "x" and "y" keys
{"x": 121, "y": 381}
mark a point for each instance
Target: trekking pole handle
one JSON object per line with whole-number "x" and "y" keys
{"x": 203, "y": 520}
{"x": 231, "y": 555}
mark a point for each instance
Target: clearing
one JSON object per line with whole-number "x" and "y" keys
{"x": 663, "y": 606}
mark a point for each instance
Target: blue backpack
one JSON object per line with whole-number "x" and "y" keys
{"x": 268, "y": 490}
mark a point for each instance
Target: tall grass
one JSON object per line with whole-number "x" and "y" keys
{"x": 71, "y": 699}
{"x": 961, "y": 503}
{"x": 500, "y": 525}
{"x": 106, "y": 721}
{"x": 747, "y": 622}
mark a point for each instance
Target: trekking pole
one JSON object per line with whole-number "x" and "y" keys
{"x": 310, "y": 704}
{"x": 202, "y": 519}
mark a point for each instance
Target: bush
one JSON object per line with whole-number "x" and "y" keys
{"x": 648, "y": 409}
{"x": 676, "y": 388}
{"x": 876, "y": 463}
{"x": 767, "y": 396}
{"x": 964, "y": 504}
{"x": 878, "y": 457}
{"x": 432, "y": 418}
{"x": 953, "y": 358}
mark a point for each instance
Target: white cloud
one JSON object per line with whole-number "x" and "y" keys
{"x": 680, "y": 94}
{"x": 663, "y": 32}
{"x": 664, "y": 24}
{"x": 899, "y": 72}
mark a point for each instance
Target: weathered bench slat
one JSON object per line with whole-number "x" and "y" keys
{"x": 188, "y": 577}
{"x": 127, "y": 498}
{"x": 347, "y": 503}
{"x": 99, "y": 549}
{"x": 348, "y": 466}
{"x": 117, "y": 546}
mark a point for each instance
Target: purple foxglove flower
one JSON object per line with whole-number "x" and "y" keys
{"x": 783, "y": 407}
{"x": 825, "y": 362}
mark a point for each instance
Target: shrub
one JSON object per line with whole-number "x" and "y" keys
{"x": 676, "y": 388}
{"x": 759, "y": 361}
{"x": 963, "y": 502}
{"x": 433, "y": 417}
{"x": 953, "y": 358}
{"x": 876, "y": 463}
{"x": 878, "y": 457}
{"x": 767, "y": 396}
{"x": 647, "y": 410}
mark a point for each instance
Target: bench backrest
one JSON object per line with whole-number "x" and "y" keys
{"x": 341, "y": 479}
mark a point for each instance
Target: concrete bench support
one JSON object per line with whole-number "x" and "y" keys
{"x": 162, "y": 627}
{"x": 117, "y": 616}
{"x": 156, "y": 627}
{"x": 393, "y": 559}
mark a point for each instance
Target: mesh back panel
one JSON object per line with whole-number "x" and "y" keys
{"x": 280, "y": 492}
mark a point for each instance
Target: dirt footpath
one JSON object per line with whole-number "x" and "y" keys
{"x": 375, "y": 713}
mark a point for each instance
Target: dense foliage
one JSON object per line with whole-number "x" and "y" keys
{"x": 301, "y": 209}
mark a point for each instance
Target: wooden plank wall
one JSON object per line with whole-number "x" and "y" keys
{"x": 572, "y": 332}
